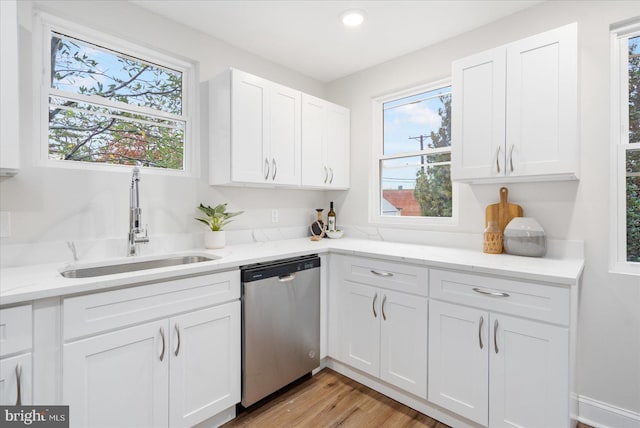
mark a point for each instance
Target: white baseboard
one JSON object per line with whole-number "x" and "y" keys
{"x": 603, "y": 415}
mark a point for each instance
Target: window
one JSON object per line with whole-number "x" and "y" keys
{"x": 626, "y": 139}
{"x": 109, "y": 102}
{"x": 413, "y": 162}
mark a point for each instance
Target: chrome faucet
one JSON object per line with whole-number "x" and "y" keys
{"x": 135, "y": 215}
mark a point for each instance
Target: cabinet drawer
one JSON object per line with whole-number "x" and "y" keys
{"x": 15, "y": 330}
{"x": 521, "y": 298}
{"x": 93, "y": 313}
{"x": 395, "y": 276}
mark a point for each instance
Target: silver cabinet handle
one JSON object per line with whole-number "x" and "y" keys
{"x": 490, "y": 293}
{"x": 275, "y": 168}
{"x": 326, "y": 174}
{"x": 177, "y": 328}
{"x": 383, "y": 274}
{"x": 511, "y": 158}
{"x": 18, "y": 385}
{"x": 331, "y": 179}
{"x": 495, "y": 336}
{"x": 480, "y": 332}
{"x": 373, "y": 306}
{"x": 384, "y": 300}
{"x": 266, "y": 167}
{"x": 163, "y": 343}
{"x": 497, "y": 158}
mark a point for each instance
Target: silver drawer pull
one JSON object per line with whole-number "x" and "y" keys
{"x": 480, "y": 332}
{"x": 495, "y": 336}
{"x": 163, "y": 343}
{"x": 373, "y": 306}
{"x": 177, "y": 327}
{"x": 384, "y": 301}
{"x": 383, "y": 274}
{"x": 18, "y": 385}
{"x": 275, "y": 168}
{"x": 490, "y": 293}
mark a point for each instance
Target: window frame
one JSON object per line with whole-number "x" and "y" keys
{"x": 377, "y": 155}
{"x": 619, "y": 146}
{"x": 44, "y": 24}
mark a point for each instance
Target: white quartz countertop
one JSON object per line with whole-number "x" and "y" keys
{"x": 34, "y": 282}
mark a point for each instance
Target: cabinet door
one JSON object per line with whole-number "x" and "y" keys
{"x": 403, "y": 341}
{"x": 478, "y": 116}
{"x": 205, "y": 364}
{"x": 13, "y": 371}
{"x": 361, "y": 341}
{"x": 325, "y": 144}
{"x": 337, "y": 147}
{"x": 541, "y": 132}
{"x": 314, "y": 169}
{"x": 250, "y": 159}
{"x": 9, "y": 143}
{"x": 458, "y": 359}
{"x": 119, "y": 379}
{"x": 529, "y": 373}
{"x": 285, "y": 135}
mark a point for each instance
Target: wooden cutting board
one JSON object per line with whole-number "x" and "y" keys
{"x": 503, "y": 211}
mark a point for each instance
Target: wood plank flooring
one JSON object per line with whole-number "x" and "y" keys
{"x": 329, "y": 399}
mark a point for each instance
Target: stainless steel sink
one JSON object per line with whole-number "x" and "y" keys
{"x": 115, "y": 268}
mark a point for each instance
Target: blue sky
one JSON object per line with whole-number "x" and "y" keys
{"x": 402, "y": 119}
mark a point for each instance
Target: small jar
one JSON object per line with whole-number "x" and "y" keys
{"x": 492, "y": 239}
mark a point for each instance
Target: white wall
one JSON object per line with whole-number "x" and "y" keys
{"x": 609, "y": 318}
{"x": 56, "y": 205}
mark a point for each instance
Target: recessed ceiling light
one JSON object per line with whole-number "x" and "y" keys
{"x": 353, "y": 18}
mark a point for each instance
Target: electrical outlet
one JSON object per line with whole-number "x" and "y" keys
{"x": 275, "y": 216}
{"x": 5, "y": 224}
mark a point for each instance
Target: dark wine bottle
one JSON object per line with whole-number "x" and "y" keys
{"x": 331, "y": 218}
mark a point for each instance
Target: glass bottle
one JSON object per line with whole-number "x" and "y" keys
{"x": 331, "y": 218}
{"x": 492, "y": 238}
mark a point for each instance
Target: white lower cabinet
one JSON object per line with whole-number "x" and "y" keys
{"x": 16, "y": 356}
{"x": 495, "y": 369}
{"x": 382, "y": 332}
{"x": 459, "y": 360}
{"x": 15, "y": 380}
{"x": 176, "y": 371}
{"x": 204, "y": 364}
{"x": 118, "y": 379}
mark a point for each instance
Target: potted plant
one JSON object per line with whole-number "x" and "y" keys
{"x": 215, "y": 218}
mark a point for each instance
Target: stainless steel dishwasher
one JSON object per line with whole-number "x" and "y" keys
{"x": 280, "y": 324}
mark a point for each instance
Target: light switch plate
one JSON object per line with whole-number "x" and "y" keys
{"x": 5, "y": 224}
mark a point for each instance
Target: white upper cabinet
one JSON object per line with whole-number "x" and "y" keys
{"x": 9, "y": 143}
{"x": 255, "y": 131}
{"x": 325, "y": 144}
{"x": 514, "y": 111}
{"x": 266, "y": 134}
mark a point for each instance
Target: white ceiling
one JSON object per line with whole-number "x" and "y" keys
{"x": 309, "y": 37}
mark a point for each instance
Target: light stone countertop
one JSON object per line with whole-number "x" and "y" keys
{"x": 26, "y": 283}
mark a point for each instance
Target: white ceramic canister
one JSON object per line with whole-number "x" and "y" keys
{"x": 524, "y": 236}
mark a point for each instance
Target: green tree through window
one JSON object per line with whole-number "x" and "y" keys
{"x": 108, "y": 107}
{"x": 632, "y": 165}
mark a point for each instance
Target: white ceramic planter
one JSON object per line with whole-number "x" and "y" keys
{"x": 214, "y": 239}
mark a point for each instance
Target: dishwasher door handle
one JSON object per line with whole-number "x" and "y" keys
{"x": 287, "y": 278}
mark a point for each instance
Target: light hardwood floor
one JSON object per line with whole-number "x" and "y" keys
{"x": 329, "y": 399}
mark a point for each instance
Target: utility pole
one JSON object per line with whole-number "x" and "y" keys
{"x": 420, "y": 138}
